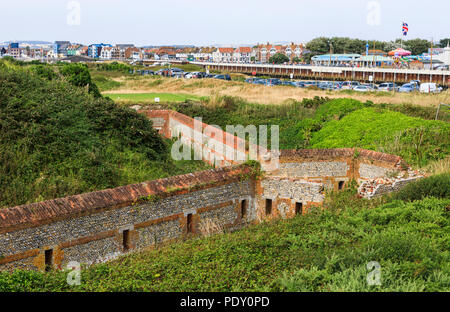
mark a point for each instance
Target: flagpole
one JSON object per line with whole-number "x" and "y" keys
{"x": 401, "y": 37}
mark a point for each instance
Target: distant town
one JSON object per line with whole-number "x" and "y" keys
{"x": 364, "y": 54}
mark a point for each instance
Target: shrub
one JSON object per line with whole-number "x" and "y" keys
{"x": 79, "y": 76}
{"x": 57, "y": 140}
{"x": 435, "y": 186}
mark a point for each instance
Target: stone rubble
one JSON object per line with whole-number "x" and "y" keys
{"x": 373, "y": 187}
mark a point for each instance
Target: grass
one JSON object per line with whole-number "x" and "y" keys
{"x": 320, "y": 251}
{"x": 150, "y": 97}
{"x": 418, "y": 141}
{"x": 271, "y": 95}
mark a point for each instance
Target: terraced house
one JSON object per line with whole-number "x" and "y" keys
{"x": 223, "y": 55}
{"x": 243, "y": 55}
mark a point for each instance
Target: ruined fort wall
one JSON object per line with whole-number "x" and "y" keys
{"x": 219, "y": 147}
{"x": 83, "y": 230}
{"x": 97, "y": 226}
{"x": 303, "y": 177}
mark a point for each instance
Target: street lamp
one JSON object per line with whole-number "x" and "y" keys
{"x": 331, "y": 49}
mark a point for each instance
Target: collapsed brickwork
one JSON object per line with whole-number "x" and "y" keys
{"x": 92, "y": 227}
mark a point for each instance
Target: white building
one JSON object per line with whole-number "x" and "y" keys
{"x": 223, "y": 55}
{"x": 445, "y": 56}
{"x": 243, "y": 55}
{"x": 106, "y": 53}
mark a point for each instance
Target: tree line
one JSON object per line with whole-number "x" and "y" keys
{"x": 342, "y": 45}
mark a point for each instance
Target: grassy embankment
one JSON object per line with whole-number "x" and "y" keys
{"x": 58, "y": 139}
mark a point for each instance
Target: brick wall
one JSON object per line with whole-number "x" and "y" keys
{"x": 90, "y": 227}
{"x": 303, "y": 177}
{"x": 220, "y": 148}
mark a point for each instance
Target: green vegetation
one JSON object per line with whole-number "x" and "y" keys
{"x": 415, "y": 139}
{"x": 436, "y": 186}
{"x": 321, "y": 251}
{"x": 278, "y": 58}
{"x": 79, "y": 76}
{"x": 150, "y": 97}
{"x": 57, "y": 138}
{"x": 323, "y": 123}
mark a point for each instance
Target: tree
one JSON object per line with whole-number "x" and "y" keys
{"x": 79, "y": 76}
{"x": 278, "y": 58}
{"x": 417, "y": 46}
{"x": 318, "y": 46}
{"x": 444, "y": 42}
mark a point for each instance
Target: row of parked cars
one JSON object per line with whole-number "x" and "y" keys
{"x": 179, "y": 73}
{"x": 412, "y": 86}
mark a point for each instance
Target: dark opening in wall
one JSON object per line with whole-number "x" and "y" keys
{"x": 341, "y": 185}
{"x": 189, "y": 226}
{"x": 243, "y": 208}
{"x": 268, "y": 207}
{"x": 126, "y": 240}
{"x": 298, "y": 208}
{"x": 48, "y": 260}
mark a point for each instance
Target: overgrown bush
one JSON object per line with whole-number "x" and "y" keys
{"x": 79, "y": 76}
{"x": 435, "y": 186}
{"x": 57, "y": 140}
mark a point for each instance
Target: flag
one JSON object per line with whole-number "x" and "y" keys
{"x": 405, "y": 29}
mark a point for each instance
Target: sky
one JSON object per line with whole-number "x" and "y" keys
{"x": 209, "y": 22}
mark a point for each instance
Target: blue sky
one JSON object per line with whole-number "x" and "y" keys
{"x": 202, "y": 22}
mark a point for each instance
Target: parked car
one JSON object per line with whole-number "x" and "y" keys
{"x": 274, "y": 82}
{"x": 223, "y": 77}
{"x": 349, "y": 85}
{"x": 388, "y": 86}
{"x": 193, "y": 75}
{"x": 362, "y": 88}
{"x": 429, "y": 87}
{"x": 310, "y": 84}
{"x": 298, "y": 84}
{"x": 260, "y": 81}
{"x": 408, "y": 87}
